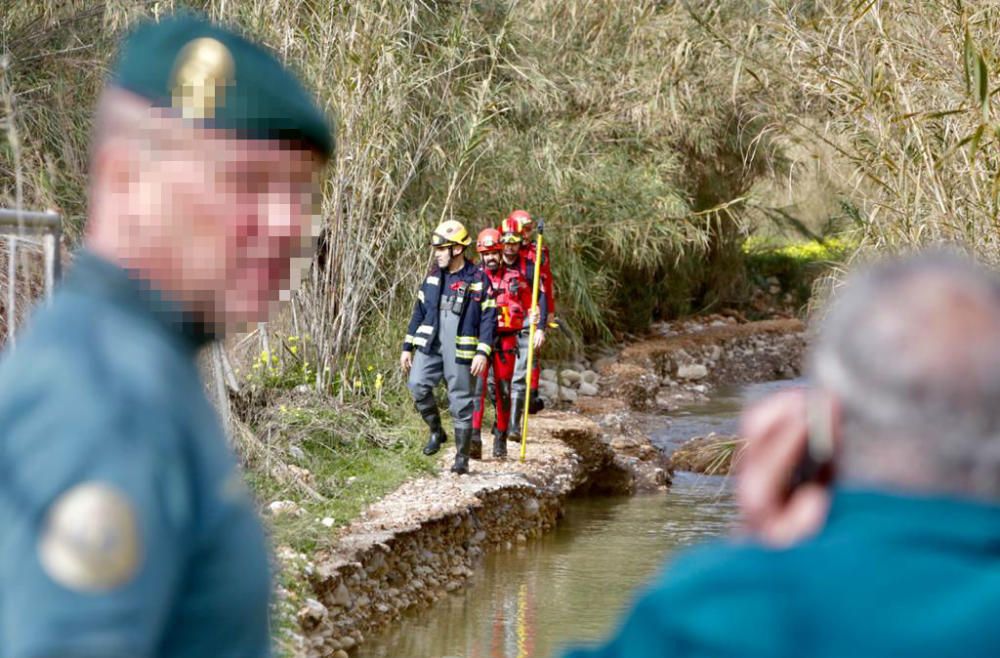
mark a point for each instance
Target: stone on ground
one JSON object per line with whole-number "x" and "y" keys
{"x": 692, "y": 372}
{"x": 570, "y": 377}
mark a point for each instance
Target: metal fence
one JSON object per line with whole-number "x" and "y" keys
{"x": 20, "y": 228}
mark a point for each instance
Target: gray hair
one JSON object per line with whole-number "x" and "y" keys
{"x": 911, "y": 349}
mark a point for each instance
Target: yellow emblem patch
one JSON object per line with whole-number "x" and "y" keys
{"x": 90, "y": 541}
{"x": 202, "y": 71}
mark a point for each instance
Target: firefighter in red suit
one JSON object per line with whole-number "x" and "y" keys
{"x": 524, "y": 221}
{"x": 513, "y": 299}
{"x": 514, "y": 258}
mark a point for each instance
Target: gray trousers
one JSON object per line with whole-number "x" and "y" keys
{"x": 429, "y": 369}
{"x": 519, "y": 385}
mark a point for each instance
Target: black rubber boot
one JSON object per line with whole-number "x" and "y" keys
{"x": 536, "y": 404}
{"x": 463, "y": 443}
{"x": 516, "y": 418}
{"x": 429, "y": 412}
{"x": 499, "y": 444}
{"x": 476, "y": 449}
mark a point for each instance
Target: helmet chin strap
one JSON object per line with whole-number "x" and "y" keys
{"x": 459, "y": 258}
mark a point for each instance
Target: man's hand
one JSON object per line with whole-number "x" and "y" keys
{"x": 406, "y": 361}
{"x": 478, "y": 366}
{"x": 776, "y": 432}
{"x": 539, "y": 338}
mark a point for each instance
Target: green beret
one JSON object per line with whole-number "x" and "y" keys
{"x": 218, "y": 78}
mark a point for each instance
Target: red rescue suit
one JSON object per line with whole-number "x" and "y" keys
{"x": 528, "y": 252}
{"x": 513, "y": 299}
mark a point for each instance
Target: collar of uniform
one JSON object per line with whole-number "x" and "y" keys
{"x": 95, "y": 276}
{"x": 463, "y": 271}
{"x": 915, "y": 516}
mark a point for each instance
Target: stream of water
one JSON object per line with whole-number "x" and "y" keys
{"x": 574, "y": 584}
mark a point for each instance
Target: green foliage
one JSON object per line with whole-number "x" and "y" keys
{"x": 288, "y": 368}
{"x": 829, "y": 250}
{"x": 796, "y": 266}
{"x": 351, "y": 455}
{"x": 902, "y": 92}
{"x": 293, "y": 364}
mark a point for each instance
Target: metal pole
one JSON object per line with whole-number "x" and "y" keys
{"x": 220, "y": 390}
{"x": 56, "y": 233}
{"x": 49, "y": 248}
{"x": 29, "y": 219}
{"x": 14, "y": 223}
{"x": 11, "y": 289}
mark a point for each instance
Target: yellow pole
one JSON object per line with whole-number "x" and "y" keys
{"x": 531, "y": 337}
{"x": 522, "y": 618}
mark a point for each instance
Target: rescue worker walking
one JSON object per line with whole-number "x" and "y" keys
{"x": 525, "y": 225}
{"x": 514, "y": 259}
{"x": 453, "y": 323}
{"x": 513, "y": 301}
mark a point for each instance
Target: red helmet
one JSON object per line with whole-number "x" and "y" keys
{"x": 523, "y": 219}
{"x": 488, "y": 240}
{"x": 510, "y": 231}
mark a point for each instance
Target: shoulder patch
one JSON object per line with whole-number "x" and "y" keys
{"x": 433, "y": 281}
{"x": 90, "y": 539}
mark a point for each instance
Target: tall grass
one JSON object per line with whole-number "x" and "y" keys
{"x": 902, "y": 93}
{"x": 608, "y": 119}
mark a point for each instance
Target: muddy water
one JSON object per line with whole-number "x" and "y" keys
{"x": 573, "y": 584}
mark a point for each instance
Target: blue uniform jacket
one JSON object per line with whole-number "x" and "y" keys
{"x": 889, "y": 575}
{"x": 477, "y": 325}
{"x": 125, "y": 527}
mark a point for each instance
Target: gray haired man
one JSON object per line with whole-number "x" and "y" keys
{"x": 899, "y": 557}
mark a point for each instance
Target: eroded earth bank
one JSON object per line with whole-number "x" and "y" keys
{"x": 425, "y": 540}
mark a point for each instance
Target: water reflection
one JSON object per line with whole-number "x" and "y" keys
{"x": 568, "y": 586}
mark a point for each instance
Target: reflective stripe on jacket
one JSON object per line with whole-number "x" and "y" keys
{"x": 476, "y": 326}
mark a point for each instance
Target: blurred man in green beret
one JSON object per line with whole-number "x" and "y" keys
{"x": 126, "y": 528}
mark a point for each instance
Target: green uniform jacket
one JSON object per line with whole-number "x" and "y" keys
{"x": 890, "y": 575}
{"x": 125, "y": 528}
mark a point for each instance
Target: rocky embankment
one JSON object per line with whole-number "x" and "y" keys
{"x": 685, "y": 360}
{"x": 424, "y": 540}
